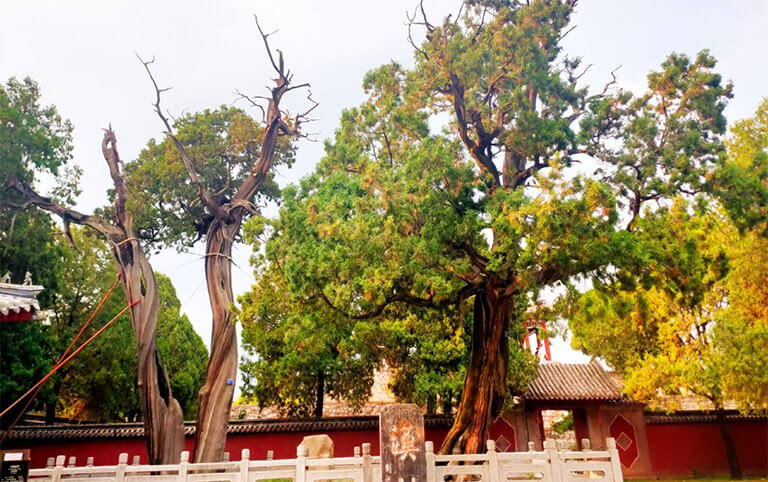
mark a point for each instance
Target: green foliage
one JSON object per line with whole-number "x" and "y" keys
{"x": 224, "y": 145}
{"x": 294, "y": 348}
{"x": 563, "y": 425}
{"x": 34, "y": 141}
{"x": 742, "y": 181}
{"x": 401, "y": 225}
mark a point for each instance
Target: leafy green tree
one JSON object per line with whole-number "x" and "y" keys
{"x": 742, "y": 181}
{"x": 34, "y": 142}
{"x": 224, "y": 145}
{"x": 299, "y": 351}
{"x": 691, "y": 315}
{"x": 492, "y": 209}
{"x": 673, "y": 334}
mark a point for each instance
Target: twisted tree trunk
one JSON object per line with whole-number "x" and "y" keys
{"x": 215, "y": 398}
{"x": 163, "y": 418}
{"x": 163, "y": 421}
{"x": 485, "y": 384}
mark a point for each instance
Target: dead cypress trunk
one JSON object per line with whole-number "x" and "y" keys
{"x": 730, "y": 449}
{"x": 215, "y": 398}
{"x": 163, "y": 421}
{"x": 163, "y": 418}
{"x": 485, "y": 384}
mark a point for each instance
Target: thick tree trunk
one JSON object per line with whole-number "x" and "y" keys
{"x": 215, "y": 399}
{"x": 163, "y": 418}
{"x": 730, "y": 448}
{"x": 485, "y": 384}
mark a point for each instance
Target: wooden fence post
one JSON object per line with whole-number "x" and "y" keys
{"x": 122, "y": 463}
{"x": 493, "y": 461}
{"x": 615, "y": 462}
{"x": 183, "y": 466}
{"x": 550, "y": 447}
{"x": 367, "y": 468}
{"x": 245, "y": 460}
{"x": 60, "y": 459}
{"x": 301, "y": 463}
{"x": 429, "y": 455}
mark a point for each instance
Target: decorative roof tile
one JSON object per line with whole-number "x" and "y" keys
{"x": 16, "y": 298}
{"x": 136, "y": 430}
{"x": 562, "y": 381}
{"x": 657, "y": 418}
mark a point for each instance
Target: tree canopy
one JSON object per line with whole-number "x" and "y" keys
{"x": 496, "y": 206}
{"x": 224, "y": 146}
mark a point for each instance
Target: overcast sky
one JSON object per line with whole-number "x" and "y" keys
{"x": 82, "y": 55}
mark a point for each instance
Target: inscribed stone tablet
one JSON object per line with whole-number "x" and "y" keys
{"x": 401, "y": 437}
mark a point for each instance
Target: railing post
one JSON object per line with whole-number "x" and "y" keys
{"x": 429, "y": 455}
{"x": 183, "y": 466}
{"x": 49, "y": 463}
{"x": 136, "y": 460}
{"x": 72, "y": 461}
{"x": 615, "y": 462}
{"x": 60, "y": 459}
{"x": 226, "y": 457}
{"x": 550, "y": 447}
{"x": 89, "y": 462}
{"x": 367, "y": 467}
{"x": 493, "y": 461}
{"x": 586, "y": 444}
{"x": 531, "y": 446}
{"x": 270, "y": 454}
{"x": 301, "y": 463}
{"x": 122, "y": 463}
{"x": 245, "y": 460}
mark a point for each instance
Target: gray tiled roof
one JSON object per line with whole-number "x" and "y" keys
{"x": 136, "y": 430}
{"x": 562, "y": 381}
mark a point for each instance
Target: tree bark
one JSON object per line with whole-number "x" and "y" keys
{"x": 163, "y": 418}
{"x": 730, "y": 449}
{"x": 163, "y": 421}
{"x": 485, "y": 384}
{"x": 215, "y": 398}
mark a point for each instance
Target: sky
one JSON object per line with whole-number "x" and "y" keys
{"x": 83, "y": 55}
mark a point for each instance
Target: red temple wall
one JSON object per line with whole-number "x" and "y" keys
{"x": 688, "y": 449}
{"x": 283, "y": 444}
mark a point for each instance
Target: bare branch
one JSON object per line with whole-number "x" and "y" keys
{"x": 411, "y": 22}
{"x": 66, "y": 214}
{"x": 278, "y": 69}
{"x": 254, "y": 103}
{"x": 202, "y": 193}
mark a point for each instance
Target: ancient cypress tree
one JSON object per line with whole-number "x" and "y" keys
{"x": 222, "y": 209}
{"x": 496, "y": 207}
